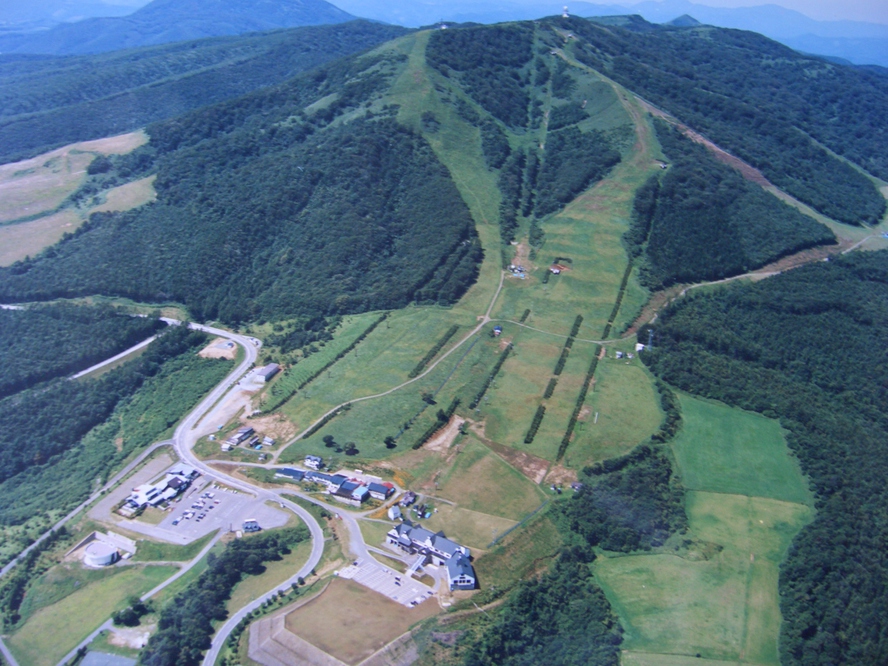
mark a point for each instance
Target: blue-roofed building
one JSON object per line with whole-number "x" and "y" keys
{"x": 290, "y": 473}
{"x": 461, "y": 573}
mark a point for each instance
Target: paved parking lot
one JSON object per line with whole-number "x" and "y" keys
{"x": 230, "y": 512}
{"x": 398, "y": 587}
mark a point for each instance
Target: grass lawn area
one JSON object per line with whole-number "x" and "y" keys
{"x": 470, "y": 528}
{"x": 374, "y": 531}
{"x": 71, "y": 619}
{"x": 27, "y": 239}
{"x": 275, "y": 574}
{"x": 629, "y": 658}
{"x": 480, "y": 481}
{"x": 367, "y": 423}
{"x": 724, "y": 449}
{"x": 155, "y": 551}
{"x": 726, "y": 607}
{"x": 372, "y": 620}
{"x": 519, "y": 555}
{"x": 628, "y": 410}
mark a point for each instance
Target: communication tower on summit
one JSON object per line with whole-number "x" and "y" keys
{"x": 565, "y": 13}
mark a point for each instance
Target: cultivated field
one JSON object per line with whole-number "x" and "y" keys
{"x": 71, "y": 619}
{"x": 346, "y": 609}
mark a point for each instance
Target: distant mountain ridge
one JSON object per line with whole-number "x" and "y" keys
{"x": 164, "y": 21}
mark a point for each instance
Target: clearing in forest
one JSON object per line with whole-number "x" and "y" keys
{"x": 715, "y": 594}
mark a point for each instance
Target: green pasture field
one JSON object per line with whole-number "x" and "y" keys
{"x": 480, "y": 481}
{"x": 155, "y": 551}
{"x": 71, "y": 619}
{"x": 470, "y": 528}
{"x": 629, "y": 658}
{"x": 628, "y": 410}
{"x": 511, "y": 402}
{"x": 726, "y": 607}
{"x": 561, "y": 405}
{"x": 276, "y": 572}
{"x": 381, "y": 362}
{"x": 367, "y": 423}
{"x": 724, "y": 449}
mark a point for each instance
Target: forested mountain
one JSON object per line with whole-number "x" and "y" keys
{"x": 705, "y": 222}
{"x": 50, "y": 101}
{"x": 164, "y": 21}
{"x": 295, "y": 200}
{"x": 774, "y": 108}
{"x": 49, "y": 341}
{"x": 809, "y": 347}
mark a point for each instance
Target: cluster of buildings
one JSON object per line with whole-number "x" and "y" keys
{"x": 436, "y": 549}
{"x": 175, "y": 481}
{"x": 248, "y": 437}
{"x": 349, "y": 491}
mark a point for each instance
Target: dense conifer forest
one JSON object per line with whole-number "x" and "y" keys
{"x": 266, "y": 211}
{"x": 48, "y": 341}
{"x": 760, "y": 100}
{"x": 46, "y": 102}
{"x": 808, "y": 347}
{"x": 706, "y": 222}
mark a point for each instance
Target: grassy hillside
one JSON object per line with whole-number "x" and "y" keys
{"x": 46, "y": 102}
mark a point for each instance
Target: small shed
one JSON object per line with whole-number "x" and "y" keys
{"x": 269, "y": 371}
{"x": 497, "y": 331}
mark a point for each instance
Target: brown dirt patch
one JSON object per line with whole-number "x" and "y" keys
{"x": 368, "y": 619}
{"x": 442, "y": 439}
{"x": 561, "y": 475}
{"x": 219, "y": 348}
{"x": 505, "y": 342}
{"x": 276, "y": 426}
{"x": 522, "y": 257}
{"x": 134, "y": 638}
{"x": 584, "y": 412}
{"x": 531, "y": 466}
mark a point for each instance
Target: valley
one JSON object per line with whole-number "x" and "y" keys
{"x": 458, "y": 247}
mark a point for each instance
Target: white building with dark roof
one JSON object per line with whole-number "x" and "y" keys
{"x": 414, "y": 539}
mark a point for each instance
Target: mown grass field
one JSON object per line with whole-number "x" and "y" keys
{"x": 628, "y": 409}
{"x": 470, "y": 528}
{"x": 718, "y": 596}
{"x": 27, "y": 239}
{"x": 724, "y": 608}
{"x": 346, "y": 609}
{"x": 723, "y": 449}
{"x": 480, "y": 481}
{"x": 367, "y": 423}
{"x": 71, "y": 619}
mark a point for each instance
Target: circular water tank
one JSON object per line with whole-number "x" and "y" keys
{"x": 99, "y": 554}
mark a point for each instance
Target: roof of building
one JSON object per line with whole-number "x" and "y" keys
{"x": 347, "y": 488}
{"x": 379, "y": 488}
{"x": 297, "y": 474}
{"x": 460, "y": 566}
{"x": 269, "y": 370}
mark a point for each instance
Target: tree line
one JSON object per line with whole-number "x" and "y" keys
{"x": 809, "y": 347}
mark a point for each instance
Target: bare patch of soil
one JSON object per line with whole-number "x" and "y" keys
{"x": 522, "y": 257}
{"x": 531, "y": 466}
{"x": 134, "y": 638}
{"x": 219, "y": 348}
{"x": 561, "y": 475}
{"x": 276, "y": 426}
{"x": 442, "y": 439}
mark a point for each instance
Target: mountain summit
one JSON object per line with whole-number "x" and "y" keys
{"x": 165, "y": 21}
